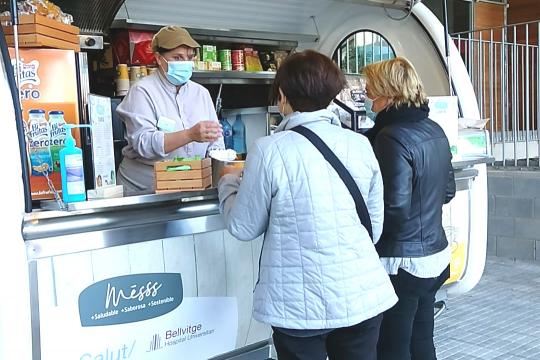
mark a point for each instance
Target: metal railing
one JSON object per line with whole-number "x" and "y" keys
{"x": 504, "y": 67}
{"x": 360, "y": 49}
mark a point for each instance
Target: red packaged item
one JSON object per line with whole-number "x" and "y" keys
{"x": 237, "y": 58}
{"x": 133, "y": 47}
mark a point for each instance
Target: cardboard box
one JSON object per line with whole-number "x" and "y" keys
{"x": 209, "y": 53}
{"x": 214, "y": 65}
{"x": 198, "y": 178}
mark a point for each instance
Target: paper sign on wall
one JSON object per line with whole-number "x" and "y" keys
{"x": 444, "y": 111}
{"x": 99, "y": 109}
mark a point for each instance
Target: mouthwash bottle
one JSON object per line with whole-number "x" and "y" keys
{"x": 39, "y": 143}
{"x": 239, "y": 137}
{"x": 57, "y": 132}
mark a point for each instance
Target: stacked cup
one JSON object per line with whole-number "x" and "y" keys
{"x": 122, "y": 80}
{"x": 134, "y": 74}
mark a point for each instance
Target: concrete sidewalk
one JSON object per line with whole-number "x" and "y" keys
{"x": 498, "y": 319}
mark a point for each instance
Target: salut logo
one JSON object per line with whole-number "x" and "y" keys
{"x": 130, "y": 298}
{"x": 110, "y": 353}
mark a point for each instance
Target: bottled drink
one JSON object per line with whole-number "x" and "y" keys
{"x": 227, "y": 133}
{"x": 57, "y": 129}
{"x": 39, "y": 147}
{"x": 239, "y": 137}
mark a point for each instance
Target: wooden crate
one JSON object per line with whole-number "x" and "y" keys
{"x": 40, "y": 31}
{"x": 43, "y": 20}
{"x": 199, "y": 177}
{"x": 38, "y": 41}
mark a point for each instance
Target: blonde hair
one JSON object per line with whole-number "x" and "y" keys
{"x": 397, "y": 80}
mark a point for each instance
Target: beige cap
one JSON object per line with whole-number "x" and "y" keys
{"x": 171, "y": 37}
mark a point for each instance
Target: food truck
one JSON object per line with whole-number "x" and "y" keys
{"x": 158, "y": 276}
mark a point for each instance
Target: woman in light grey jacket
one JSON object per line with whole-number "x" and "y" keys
{"x": 321, "y": 285}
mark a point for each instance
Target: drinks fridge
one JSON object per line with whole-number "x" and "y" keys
{"x": 48, "y": 90}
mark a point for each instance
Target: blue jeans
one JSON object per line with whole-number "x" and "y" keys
{"x": 407, "y": 328}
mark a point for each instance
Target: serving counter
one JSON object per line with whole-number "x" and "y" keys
{"x": 97, "y": 224}
{"x": 85, "y": 263}
{"x": 125, "y": 243}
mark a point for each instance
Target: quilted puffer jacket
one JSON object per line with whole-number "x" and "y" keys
{"x": 318, "y": 266}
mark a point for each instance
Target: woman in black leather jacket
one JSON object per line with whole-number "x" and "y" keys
{"x": 415, "y": 161}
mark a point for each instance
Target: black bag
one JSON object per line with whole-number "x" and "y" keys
{"x": 361, "y": 208}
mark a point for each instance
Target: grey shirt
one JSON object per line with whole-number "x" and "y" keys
{"x": 150, "y": 103}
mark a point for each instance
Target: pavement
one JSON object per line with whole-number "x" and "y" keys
{"x": 498, "y": 319}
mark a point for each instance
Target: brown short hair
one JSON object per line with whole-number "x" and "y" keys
{"x": 309, "y": 80}
{"x": 397, "y": 80}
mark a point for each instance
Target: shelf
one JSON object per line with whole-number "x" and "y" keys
{"x": 233, "y": 77}
{"x": 468, "y": 161}
{"x": 282, "y": 41}
{"x": 246, "y": 111}
{"x": 101, "y": 205}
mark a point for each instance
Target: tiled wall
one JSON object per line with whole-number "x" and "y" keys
{"x": 514, "y": 214}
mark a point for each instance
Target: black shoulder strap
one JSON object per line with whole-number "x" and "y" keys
{"x": 343, "y": 173}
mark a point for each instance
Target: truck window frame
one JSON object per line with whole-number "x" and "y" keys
{"x": 354, "y": 33}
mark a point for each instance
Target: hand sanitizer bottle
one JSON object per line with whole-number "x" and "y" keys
{"x": 71, "y": 169}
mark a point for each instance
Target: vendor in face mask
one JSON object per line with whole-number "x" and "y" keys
{"x": 166, "y": 115}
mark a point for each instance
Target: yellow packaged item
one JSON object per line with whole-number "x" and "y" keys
{"x": 253, "y": 63}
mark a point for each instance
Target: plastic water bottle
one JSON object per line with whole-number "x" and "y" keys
{"x": 57, "y": 129}
{"x": 39, "y": 147}
{"x": 239, "y": 137}
{"x": 227, "y": 133}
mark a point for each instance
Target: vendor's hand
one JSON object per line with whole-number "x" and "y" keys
{"x": 205, "y": 131}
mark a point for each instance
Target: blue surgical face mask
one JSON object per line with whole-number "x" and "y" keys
{"x": 368, "y": 104}
{"x": 179, "y": 72}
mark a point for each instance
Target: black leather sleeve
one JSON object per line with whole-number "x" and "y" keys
{"x": 451, "y": 186}
{"x": 397, "y": 173}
